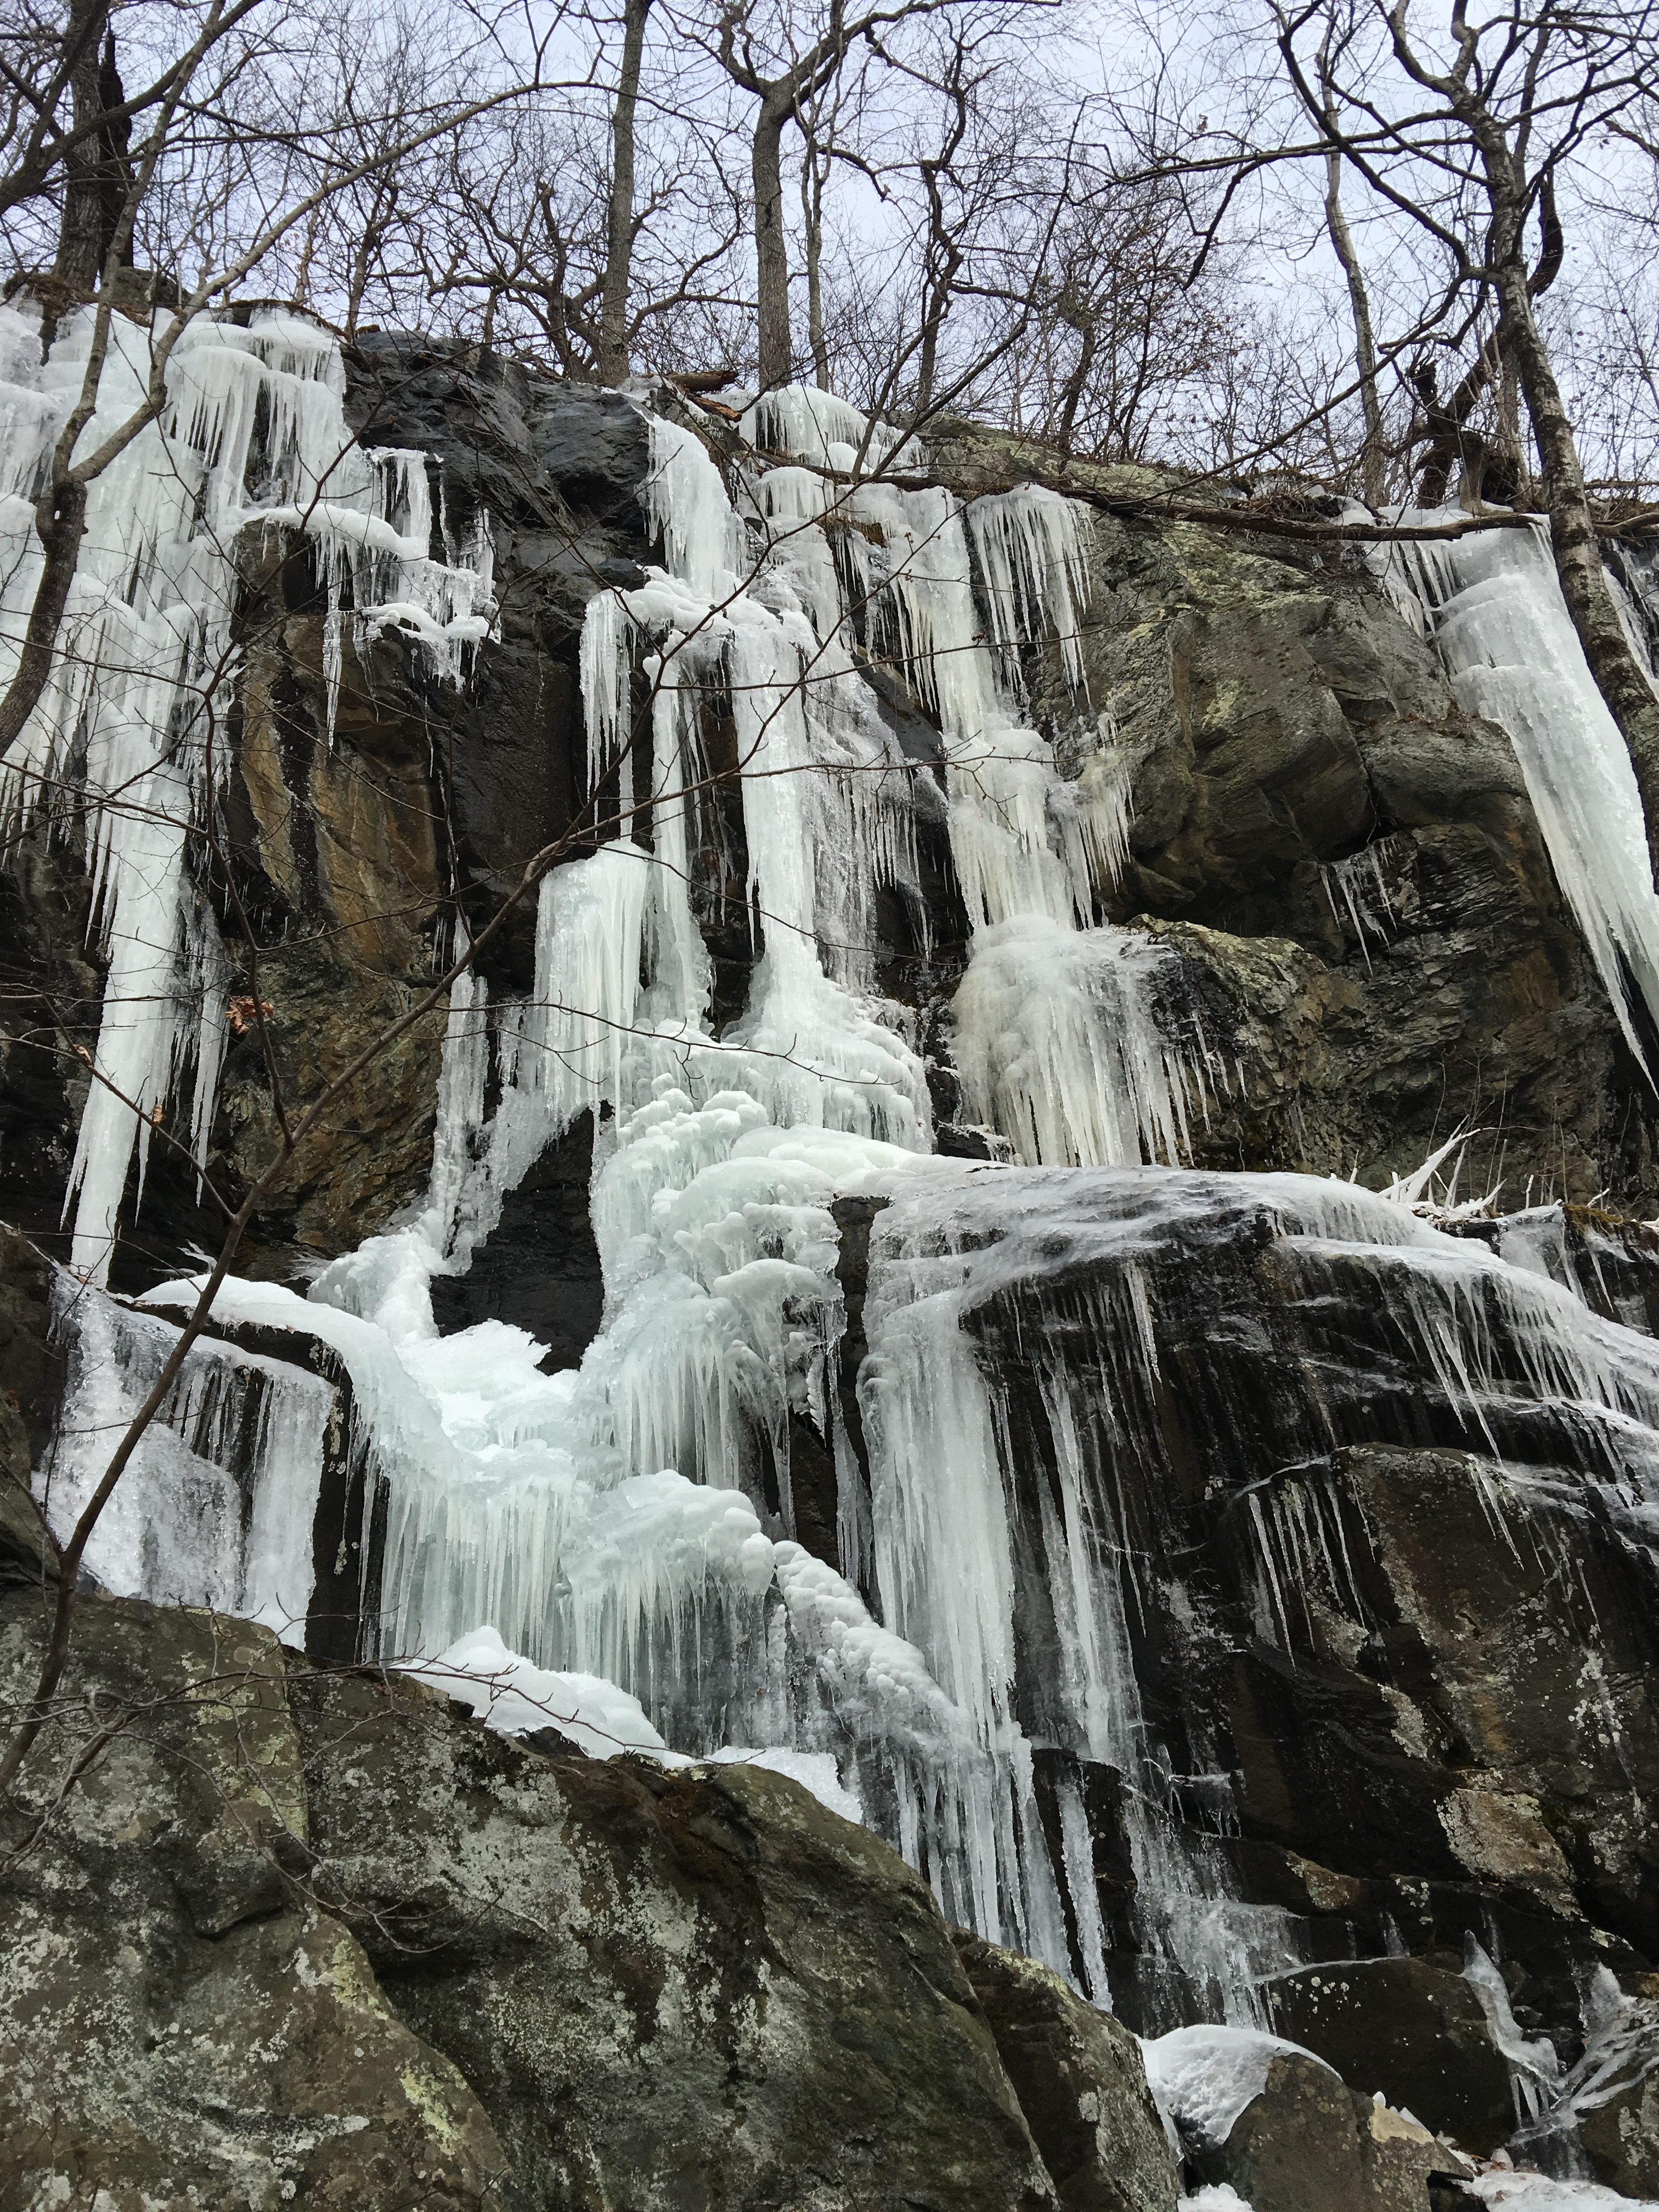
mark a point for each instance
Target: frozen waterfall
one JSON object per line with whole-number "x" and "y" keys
{"x": 1491, "y": 604}
{"x": 628, "y": 1532}
{"x": 127, "y": 745}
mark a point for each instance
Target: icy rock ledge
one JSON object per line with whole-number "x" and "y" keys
{"x": 516, "y": 1698}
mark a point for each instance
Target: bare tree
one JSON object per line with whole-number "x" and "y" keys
{"x": 1465, "y": 130}
{"x": 786, "y": 77}
{"x": 1373, "y": 455}
{"x": 126, "y": 185}
{"x": 621, "y": 223}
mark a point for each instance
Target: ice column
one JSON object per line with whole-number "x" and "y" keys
{"x": 1492, "y": 603}
{"x": 1060, "y": 1046}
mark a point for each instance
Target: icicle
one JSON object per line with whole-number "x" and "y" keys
{"x": 217, "y": 1505}
{"x": 1030, "y": 544}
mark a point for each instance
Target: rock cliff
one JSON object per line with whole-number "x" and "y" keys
{"x": 1308, "y": 1680}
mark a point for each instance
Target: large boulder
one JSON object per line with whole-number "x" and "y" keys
{"x": 296, "y": 1937}
{"x": 665, "y": 1987}
{"x": 1409, "y": 2029}
{"x": 1081, "y": 2084}
{"x": 178, "y": 2024}
{"x": 1283, "y": 2131}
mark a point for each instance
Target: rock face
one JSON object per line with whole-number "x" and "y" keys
{"x": 1080, "y": 2082}
{"x": 179, "y": 2019}
{"x": 1388, "y": 1624}
{"x": 300, "y": 1936}
{"x": 1414, "y": 2026}
{"x": 666, "y": 1988}
{"x": 1348, "y": 862}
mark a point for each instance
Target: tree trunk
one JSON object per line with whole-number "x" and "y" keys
{"x": 811, "y": 207}
{"x": 619, "y": 226}
{"x": 1619, "y": 677}
{"x": 81, "y": 242}
{"x": 771, "y": 251}
{"x": 1364, "y": 345}
{"x": 60, "y": 527}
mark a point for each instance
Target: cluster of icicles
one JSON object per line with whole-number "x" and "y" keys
{"x": 128, "y": 746}
{"x": 627, "y": 1528}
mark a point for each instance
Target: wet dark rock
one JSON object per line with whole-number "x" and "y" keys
{"x": 30, "y": 1379}
{"x": 540, "y": 1268}
{"x": 1080, "y": 2082}
{"x": 1410, "y": 2028}
{"x": 1621, "y": 2137}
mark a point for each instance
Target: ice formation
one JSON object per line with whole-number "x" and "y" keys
{"x": 616, "y": 1547}
{"x": 126, "y": 743}
{"x": 1071, "y": 1042}
{"x": 1203, "y": 2078}
{"x": 218, "y": 1506}
{"x": 1492, "y": 605}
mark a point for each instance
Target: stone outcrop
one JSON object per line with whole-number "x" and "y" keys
{"x": 304, "y": 1936}
{"x": 1373, "y": 932}
{"x": 1414, "y": 2026}
{"x": 1308, "y": 2143}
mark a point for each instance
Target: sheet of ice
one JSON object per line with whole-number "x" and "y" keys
{"x": 217, "y": 1505}
{"x": 1534, "y": 2069}
{"x": 1032, "y": 545}
{"x": 1202, "y": 2078}
{"x": 817, "y": 426}
{"x": 1492, "y": 605}
{"x": 1518, "y": 2191}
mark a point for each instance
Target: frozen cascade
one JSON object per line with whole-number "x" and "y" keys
{"x": 217, "y": 1506}
{"x": 1492, "y": 605}
{"x": 1061, "y": 1045}
{"x": 145, "y": 663}
{"x": 626, "y": 1531}
{"x": 997, "y": 1275}
{"x": 1029, "y": 547}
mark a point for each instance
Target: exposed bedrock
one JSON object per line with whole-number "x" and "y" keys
{"x": 1389, "y": 1617}
{"x": 1375, "y": 935}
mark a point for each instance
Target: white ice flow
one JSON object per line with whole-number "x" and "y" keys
{"x": 1492, "y": 603}
{"x": 621, "y": 1542}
